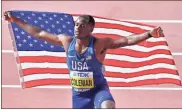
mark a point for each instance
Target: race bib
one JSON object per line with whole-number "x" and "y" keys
{"x": 82, "y": 79}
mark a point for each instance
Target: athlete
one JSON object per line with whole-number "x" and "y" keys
{"x": 85, "y": 56}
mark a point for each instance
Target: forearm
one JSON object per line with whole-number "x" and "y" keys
{"x": 134, "y": 39}
{"x": 38, "y": 32}
{"x": 32, "y": 30}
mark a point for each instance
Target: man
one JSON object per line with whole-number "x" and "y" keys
{"x": 85, "y": 56}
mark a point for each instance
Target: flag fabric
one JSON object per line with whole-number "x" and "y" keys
{"x": 42, "y": 63}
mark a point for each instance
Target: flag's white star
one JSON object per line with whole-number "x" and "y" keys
{"x": 22, "y": 32}
{"x": 24, "y": 40}
{"x": 48, "y": 30}
{"x": 61, "y": 19}
{"x": 40, "y": 18}
{"x": 50, "y": 18}
{"x": 19, "y": 45}
{"x": 57, "y": 22}
{"x": 18, "y": 37}
{"x": 64, "y": 26}
{"x": 68, "y": 22}
{"x": 16, "y": 29}
{"x": 35, "y": 21}
{"x": 44, "y": 15}
{"x": 35, "y": 40}
{"x": 53, "y": 26}
{"x": 59, "y": 30}
{"x": 29, "y": 17}
{"x": 31, "y": 45}
{"x": 70, "y": 30}
{"x": 22, "y": 14}
{"x": 52, "y": 46}
{"x": 33, "y": 14}
{"x": 42, "y": 26}
{"x": 41, "y": 45}
{"x": 55, "y": 15}
{"x": 46, "y": 22}
{"x": 45, "y": 42}
{"x": 29, "y": 37}
{"x": 65, "y": 16}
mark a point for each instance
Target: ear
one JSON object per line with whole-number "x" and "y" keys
{"x": 91, "y": 28}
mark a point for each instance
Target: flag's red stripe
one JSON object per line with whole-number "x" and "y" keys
{"x": 34, "y": 83}
{"x": 152, "y": 44}
{"x": 42, "y": 82}
{"x": 32, "y": 71}
{"x": 114, "y": 36}
{"x": 108, "y": 62}
{"x": 141, "y": 73}
{"x": 64, "y": 82}
{"x": 134, "y": 30}
{"x": 126, "y": 64}
{"x": 141, "y": 24}
{"x": 134, "y": 53}
{"x": 144, "y": 43}
{"x": 41, "y": 59}
{"x": 121, "y": 51}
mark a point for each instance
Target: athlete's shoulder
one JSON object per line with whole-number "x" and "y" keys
{"x": 100, "y": 41}
{"x": 65, "y": 38}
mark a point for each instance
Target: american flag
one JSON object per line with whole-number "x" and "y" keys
{"x": 42, "y": 63}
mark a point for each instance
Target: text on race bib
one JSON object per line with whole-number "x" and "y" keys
{"x": 82, "y": 79}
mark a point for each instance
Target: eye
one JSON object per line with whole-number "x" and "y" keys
{"x": 76, "y": 24}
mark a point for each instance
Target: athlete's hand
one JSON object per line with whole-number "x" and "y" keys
{"x": 9, "y": 17}
{"x": 157, "y": 32}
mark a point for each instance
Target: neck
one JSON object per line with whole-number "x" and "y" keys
{"x": 82, "y": 44}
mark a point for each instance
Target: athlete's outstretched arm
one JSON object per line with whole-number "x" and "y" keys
{"x": 35, "y": 31}
{"x": 131, "y": 40}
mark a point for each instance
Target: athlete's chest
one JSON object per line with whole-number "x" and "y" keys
{"x": 80, "y": 63}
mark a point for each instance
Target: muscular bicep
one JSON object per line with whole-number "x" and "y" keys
{"x": 49, "y": 37}
{"x": 110, "y": 43}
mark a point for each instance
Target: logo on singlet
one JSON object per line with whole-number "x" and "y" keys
{"x": 89, "y": 58}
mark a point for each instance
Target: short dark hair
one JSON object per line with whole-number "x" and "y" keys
{"x": 89, "y": 19}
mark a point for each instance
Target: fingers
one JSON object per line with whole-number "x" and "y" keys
{"x": 159, "y": 32}
{"x": 7, "y": 16}
{"x": 6, "y": 13}
{"x": 162, "y": 34}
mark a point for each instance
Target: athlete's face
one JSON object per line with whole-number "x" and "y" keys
{"x": 82, "y": 29}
